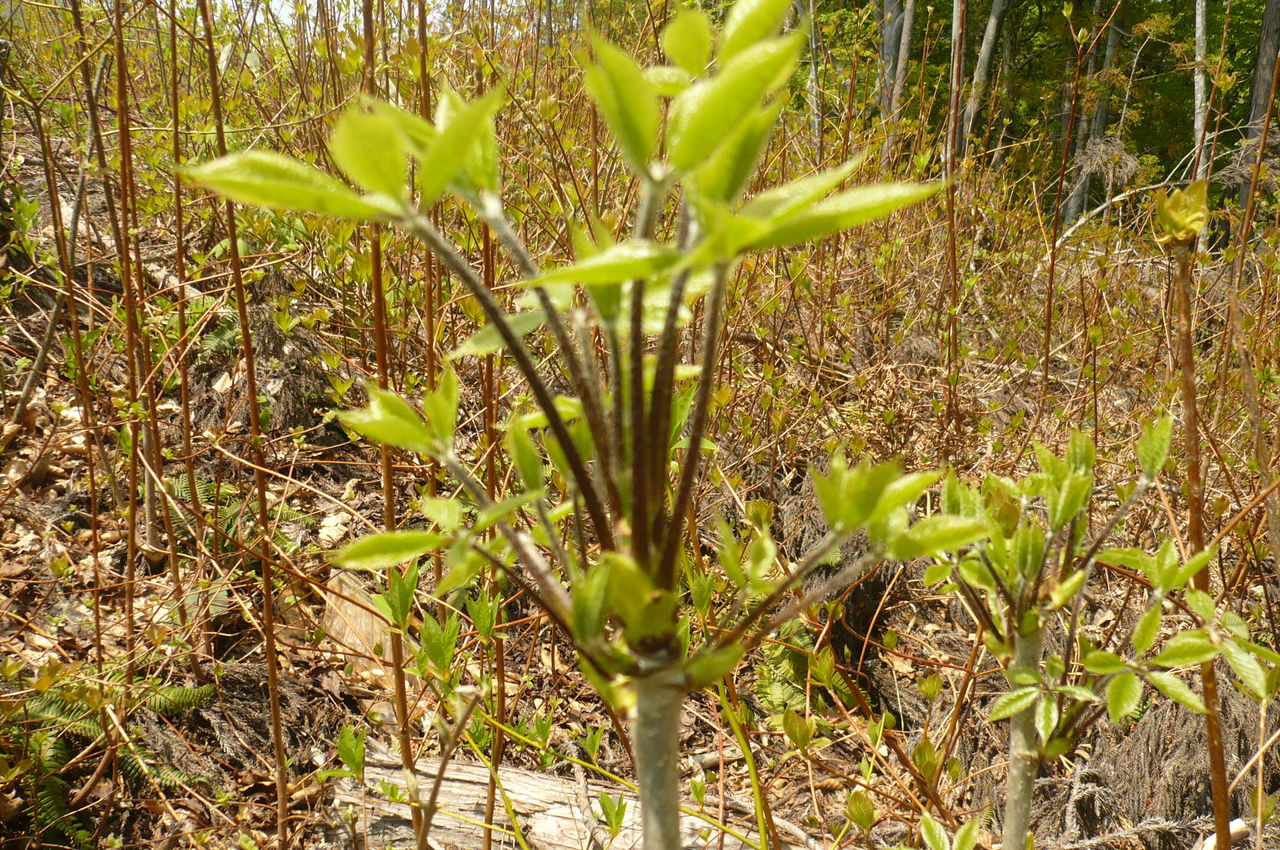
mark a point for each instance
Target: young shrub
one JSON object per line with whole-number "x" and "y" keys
{"x": 611, "y": 466}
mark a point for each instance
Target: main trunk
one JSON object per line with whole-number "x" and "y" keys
{"x": 1024, "y": 758}
{"x": 655, "y": 737}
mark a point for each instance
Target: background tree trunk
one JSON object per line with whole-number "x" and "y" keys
{"x": 890, "y": 40}
{"x": 1260, "y": 93}
{"x": 1201, "y": 106}
{"x": 982, "y": 70}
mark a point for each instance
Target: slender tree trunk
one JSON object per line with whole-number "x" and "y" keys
{"x": 1201, "y": 94}
{"x": 982, "y": 70}
{"x": 1260, "y": 93}
{"x": 1092, "y": 127}
{"x": 890, "y": 38}
{"x": 899, "y": 80}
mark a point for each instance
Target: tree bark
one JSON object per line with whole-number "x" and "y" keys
{"x": 899, "y": 81}
{"x": 1260, "y": 93}
{"x": 1200, "y": 119}
{"x": 890, "y": 39}
{"x": 982, "y": 70}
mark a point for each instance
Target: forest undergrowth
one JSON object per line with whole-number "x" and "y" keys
{"x": 156, "y": 483}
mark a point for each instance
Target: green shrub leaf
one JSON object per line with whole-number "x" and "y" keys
{"x": 1177, "y": 690}
{"x": 380, "y": 551}
{"x": 1124, "y": 693}
{"x": 368, "y": 147}
{"x": 263, "y": 179}
{"x": 843, "y": 211}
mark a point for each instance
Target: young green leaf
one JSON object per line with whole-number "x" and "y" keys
{"x": 686, "y": 40}
{"x": 843, "y": 211}
{"x": 1177, "y": 690}
{"x": 1181, "y": 650}
{"x": 1103, "y": 663}
{"x": 1124, "y": 693}
{"x": 368, "y": 147}
{"x": 1014, "y": 702}
{"x": 1144, "y": 633}
{"x": 934, "y": 834}
{"x": 626, "y": 100}
{"x": 441, "y": 407}
{"x": 488, "y": 340}
{"x": 708, "y": 667}
{"x": 390, "y": 419}
{"x": 1176, "y": 577}
{"x": 624, "y": 261}
{"x": 936, "y": 534}
{"x": 724, "y": 176}
{"x": 460, "y": 128}
{"x": 1153, "y": 446}
{"x": 1248, "y": 669}
{"x": 748, "y": 22}
{"x": 781, "y": 202}
{"x": 707, "y": 112}
{"x": 380, "y": 551}
{"x": 263, "y": 179}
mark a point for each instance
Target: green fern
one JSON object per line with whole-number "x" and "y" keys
{"x": 44, "y": 727}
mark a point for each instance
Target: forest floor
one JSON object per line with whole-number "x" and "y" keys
{"x": 79, "y": 590}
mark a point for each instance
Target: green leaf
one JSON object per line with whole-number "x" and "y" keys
{"x": 1204, "y": 606}
{"x": 1067, "y": 500}
{"x": 781, "y": 202}
{"x": 1046, "y": 717}
{"x": 1066, "y": 591}
{"x": 667, "y": 80}
{"x": 441, "y": 407}
{"x": 488, "y": 340}
{"x": 1163, "y": 566}
{"x": 967, "y": 836}
{"x": 704, "y": 114}
{"x": 417, "y": 133}
{"x": 368, "y": 147}
{"x": 1131, "y": 559}
{"x": 1177, "y": 577}
{"x": 1153, "y": 446}
{"x": 526, "y": 457}
{"x": 1014, "y": 702}
{"x": 390, "y": 419}
{"x": 1144, "y": 633}
{"x": 935, "y": 836}
{"x": 445, "y": 513}
{"x": 589, "y": 605}
{"x": 860, "y": 810}
{"x": 464, "y": 564}
{"x": 1177, "y": 690}
{"x": 1124, "y": 693}
{"x": 845, "y": 210}
{"x": 798, "y": 730}
{"x": 1248, "y": 670}
{"x": 263, "y": 179}
{"x": 724, "y": 175}
{"x": 460, "y": 128}
{"x": 708, "y": 667}
{"x": 1103, "y": 663}
{"x": 1192, "y": 647}
{"x": 905, "y": 491}
{"x": 936, "y": 534}
{"x": 626, "y": 100}
{"x": 624, "y": 261}
{"x": 380, "y": 551}
{"x": 351, "y": 750}
{"x": 686, "y": 40}
{"x": 749, "y": 21}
